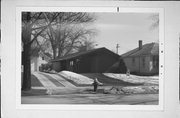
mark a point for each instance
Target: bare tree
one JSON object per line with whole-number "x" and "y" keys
{"x": 87, "y": 45}
{"x": 40, "y": 46}
{"x": 155, "y": 19}
{"x": 69, "y": 32}
{"x": 33, "y": 24}
{"x": 50, "y": 26}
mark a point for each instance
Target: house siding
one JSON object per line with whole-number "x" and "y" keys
{"x": 85, "y": 65}
{"x": 105, "y": 61}
{"x": 36, "y": 63}
{"x": 141, "y": 65}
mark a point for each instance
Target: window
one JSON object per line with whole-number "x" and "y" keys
{"x": 42, "y": 58}
{"x": 71, "y": 63}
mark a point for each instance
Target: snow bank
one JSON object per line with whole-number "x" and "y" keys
{"x": 134, "y": 78}
{"x": 133, "y": 90}
{"x": 77, "y": 78}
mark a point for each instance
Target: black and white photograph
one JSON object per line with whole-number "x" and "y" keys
{"x": 100, "y": 58}
{"x": 90, "y": 59}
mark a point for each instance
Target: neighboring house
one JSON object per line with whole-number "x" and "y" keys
{"x": 91, "y": 61}
{"x": 38, "y": 59}
{"x": 143, "y": 60}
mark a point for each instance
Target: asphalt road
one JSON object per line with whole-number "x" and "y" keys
{"x": 145, "y": 99}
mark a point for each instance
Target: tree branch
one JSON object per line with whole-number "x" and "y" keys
{"x": 43, "y": 29}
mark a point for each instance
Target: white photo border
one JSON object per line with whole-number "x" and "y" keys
{"x": 160, "y": 11}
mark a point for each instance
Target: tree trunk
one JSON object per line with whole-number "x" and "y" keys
{"x": 59, "y": 52}
{"x": 54, "y": 52}
{"x": 27, "y": 68}
{"x": 26, "y": 37}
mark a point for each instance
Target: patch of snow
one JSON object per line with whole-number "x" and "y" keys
{"x": 77, "y": 78}
{"x": 133, "y": 90}
{"x": 134, "y": 78}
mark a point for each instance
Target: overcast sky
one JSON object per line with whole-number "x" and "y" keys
{"x": 125, "y": 29}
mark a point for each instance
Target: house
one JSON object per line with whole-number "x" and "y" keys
{"x": 38, "y": 59}
{"x": 118, "y": 67}
{"x": 91, "y": 61}
{"x": 143, "y": 60}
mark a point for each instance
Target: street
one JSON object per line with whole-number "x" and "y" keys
{"x": 146, "y": 99}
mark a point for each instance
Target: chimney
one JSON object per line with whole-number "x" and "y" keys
{"x": 140, "y": 44}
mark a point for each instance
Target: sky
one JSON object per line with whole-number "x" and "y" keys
{"x": 125, "y": 29}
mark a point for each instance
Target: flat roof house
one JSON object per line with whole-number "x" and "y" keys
{"x": 91, "y": 61}
{"x": 143, "y": 60}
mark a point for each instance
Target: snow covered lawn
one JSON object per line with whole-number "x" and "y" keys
{"x": 133, "y": 90}
{"x": 134, "y": 78}
{"x": 77, "y": 78}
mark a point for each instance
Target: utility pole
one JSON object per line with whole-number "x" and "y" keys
{"x": 117, "y": 46}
